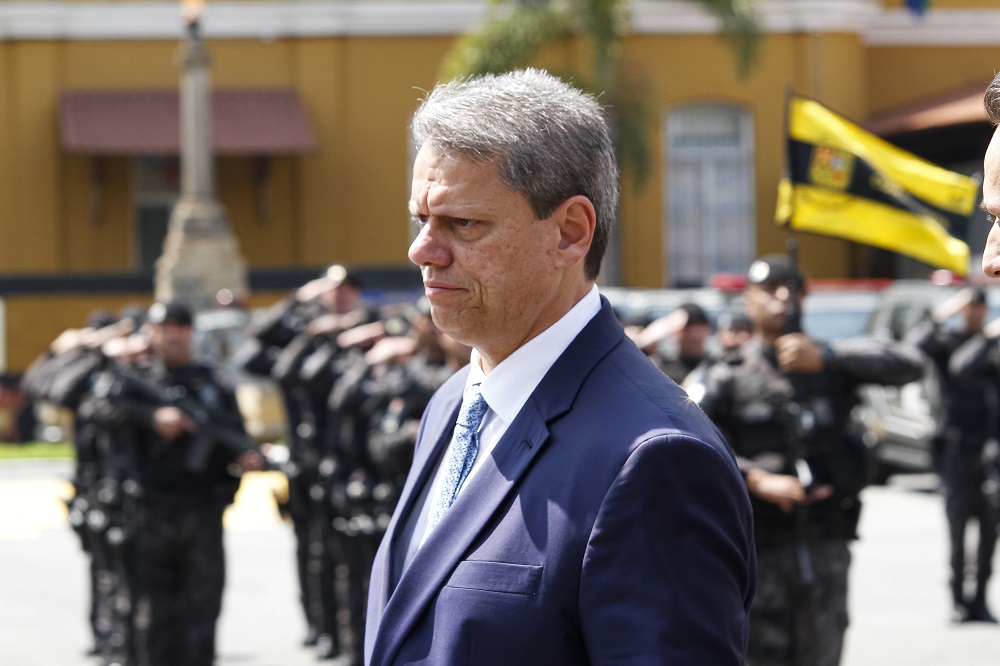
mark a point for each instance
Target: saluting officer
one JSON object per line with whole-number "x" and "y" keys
{"x": 186, "y": 484}
{"x": 970, "y": 381}
{"x": 295, "y": 344}
{"x": 63, "y": 376}
{"x": 783, "y": 402}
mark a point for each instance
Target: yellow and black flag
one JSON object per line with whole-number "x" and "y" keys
{"x": 849, "y": 183}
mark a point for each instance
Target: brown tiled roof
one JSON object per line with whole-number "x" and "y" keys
{"x": 251, "y": 121}
{"x": 954, "y": 107}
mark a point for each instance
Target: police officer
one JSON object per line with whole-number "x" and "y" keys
{"x": 676, "y": 341}
{"x": 783, "y": 402}
{"x": 734, "y": 328}
{"x": 966, "y": 360}
{"x": 63, "y": 376}
{"x": 111, "y": 511}
{"x": 183, "y": 467}
{"x": 294, "y": 343}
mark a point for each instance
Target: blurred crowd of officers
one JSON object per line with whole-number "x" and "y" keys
{"x": 157, "y": 437}
{"x": 161, "y": 444}
{"x": 355, "y": 383}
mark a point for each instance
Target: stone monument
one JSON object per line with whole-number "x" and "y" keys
{"x": 200, "y": 256}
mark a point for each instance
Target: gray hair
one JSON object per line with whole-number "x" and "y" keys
{"x": 991, "y": 100}
{"x": 548, "y": 140}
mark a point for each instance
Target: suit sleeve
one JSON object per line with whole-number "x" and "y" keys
{"x": 670, "y": 566}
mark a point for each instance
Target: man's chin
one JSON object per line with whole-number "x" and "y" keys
{"x": 450, "y": 321}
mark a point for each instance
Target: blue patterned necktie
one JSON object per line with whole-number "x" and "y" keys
{"x": 463, "y": 450}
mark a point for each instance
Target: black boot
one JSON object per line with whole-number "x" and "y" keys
{"x": 326, "y": 648}
{"x": 312, "y": 637}
{"x": 959, "y": 606}
{"x": 978, "y": 610}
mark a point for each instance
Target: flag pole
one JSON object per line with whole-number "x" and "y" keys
{"x": 791, "y": 241}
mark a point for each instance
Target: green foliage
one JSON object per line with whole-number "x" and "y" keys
{"x": 503, "y": 45}
{"x": 740, "y": 28}
{"x": 510, "y": 41}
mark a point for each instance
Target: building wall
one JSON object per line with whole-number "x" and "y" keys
{"x": 346, "y": 202}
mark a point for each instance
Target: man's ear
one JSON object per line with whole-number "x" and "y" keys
{"x": 577, "y": 221}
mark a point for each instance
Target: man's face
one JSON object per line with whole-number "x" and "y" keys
{"x": 767, "y": 305}
{"x": 974, "y": 315}
{"x": 341, "y": 299}
{"x": 691, "y": 339}
{"x": 734, "y": 338}
{"x": 171, "y": 343}
{"x": 489, "y": 266}
{"x": 991, "y": 202}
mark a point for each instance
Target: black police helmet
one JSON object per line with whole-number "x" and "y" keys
{"x": 774, "y": 268}
{"x": 171, "y": 311}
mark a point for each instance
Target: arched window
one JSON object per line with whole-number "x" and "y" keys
{"x": 710, "y": 211}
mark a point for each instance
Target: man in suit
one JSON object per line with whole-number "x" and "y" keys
{"x": 991, "y": 181}
{"x": 567, "y": 504}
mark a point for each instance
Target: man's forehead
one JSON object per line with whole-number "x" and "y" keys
{"x": 437, "y": 173}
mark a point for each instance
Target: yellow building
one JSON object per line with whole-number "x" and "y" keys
{"x": 312, "y": 104}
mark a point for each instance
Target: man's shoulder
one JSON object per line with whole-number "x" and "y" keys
{"x": 633, "y": 390}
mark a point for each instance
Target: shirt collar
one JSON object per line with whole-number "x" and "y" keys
{"x": 512, "y": 382}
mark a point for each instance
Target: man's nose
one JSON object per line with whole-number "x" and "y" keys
{"x": 782, "y": 293}
{"x": 428, "y": 248}
{"x": 991, "y": 255}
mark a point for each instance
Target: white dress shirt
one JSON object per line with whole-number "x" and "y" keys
{"x": 505, "y": 390}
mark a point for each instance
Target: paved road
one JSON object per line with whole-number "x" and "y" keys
{"x": 898, "y": 596}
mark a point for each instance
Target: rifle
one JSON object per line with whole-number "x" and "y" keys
{"x": 799, "y": 425}
{"x": 210, "y": 432}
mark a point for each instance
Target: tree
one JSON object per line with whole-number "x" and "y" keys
{"x": 511, "y": 39}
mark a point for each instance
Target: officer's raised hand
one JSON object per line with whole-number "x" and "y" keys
{"x": 796, "y": 352}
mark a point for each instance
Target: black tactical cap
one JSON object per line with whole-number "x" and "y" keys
{"x": 172, "y": 311}
{"x": 735, "y": 321}
{"x": 342, "y": 275}
{"x": 774, "y": 268}
{"x": 696, "y": 314}
{"x": 100, "y": 318}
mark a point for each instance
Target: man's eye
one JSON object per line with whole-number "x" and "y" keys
{"x": 464, "y": 223}
{"x": 418, "y": 220}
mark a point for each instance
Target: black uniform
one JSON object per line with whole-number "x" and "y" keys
{"x": 677, "y": 366}
{"x": 64, "y": 379}
{"x": 179, "y": 560}
{"x": 970, "y": 381}
{"x": 305, "y": 367}
{"x": 378, "y": 407}
{"x": 789, "y": 424}
{"x": 276, "y": 347}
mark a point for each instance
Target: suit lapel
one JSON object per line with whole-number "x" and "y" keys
{"x": 487, "y": 491}
{"x": 458, "y": 529}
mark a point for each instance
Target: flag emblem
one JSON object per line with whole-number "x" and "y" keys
{"x": 831, "y": 168}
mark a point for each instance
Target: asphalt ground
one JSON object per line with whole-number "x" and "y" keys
{"x": 899, "y": 600}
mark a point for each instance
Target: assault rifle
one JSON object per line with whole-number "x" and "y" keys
{"x": 800, "y": 423}
{"x": 211, "y": 432}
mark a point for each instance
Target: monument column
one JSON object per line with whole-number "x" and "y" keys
{"x": 200, "y": 254}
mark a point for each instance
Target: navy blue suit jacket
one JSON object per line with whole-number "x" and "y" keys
{"x": 609, "y": 525}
